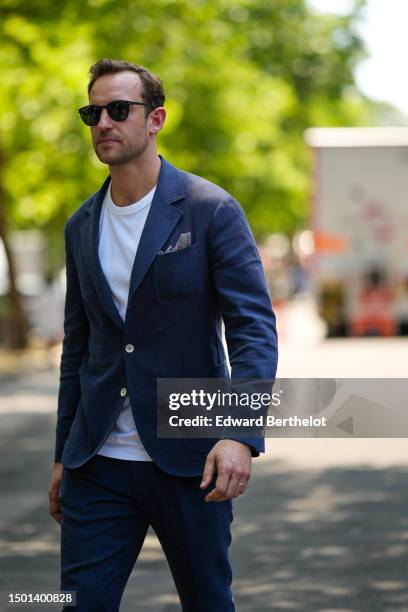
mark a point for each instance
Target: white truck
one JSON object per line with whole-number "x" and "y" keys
{"x": 359, "y": 221}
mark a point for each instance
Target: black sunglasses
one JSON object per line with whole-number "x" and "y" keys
{"x": 118, "y": 110}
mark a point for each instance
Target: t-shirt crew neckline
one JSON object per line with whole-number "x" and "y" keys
{"x": 129, "y": 208}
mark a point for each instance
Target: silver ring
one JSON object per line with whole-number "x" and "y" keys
{"x": 241, "y": 484}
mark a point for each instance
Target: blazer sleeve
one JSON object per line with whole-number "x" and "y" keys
{"x": 244, "y": 300}
{"x": 74, "y": 346}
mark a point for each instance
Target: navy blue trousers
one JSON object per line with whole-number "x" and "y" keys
{"x": 107, "y": 507}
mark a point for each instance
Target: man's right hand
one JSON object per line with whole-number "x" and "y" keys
{"x": 53, "y": 493}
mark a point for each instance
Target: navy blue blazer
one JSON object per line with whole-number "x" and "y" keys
{"x": 176, "y": 304}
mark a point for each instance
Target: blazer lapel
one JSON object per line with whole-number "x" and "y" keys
{"x": 160, "y": 222}
{"x": 90, "y": 237}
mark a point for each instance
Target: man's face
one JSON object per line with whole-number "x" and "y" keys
{"x": 118, "y": 142}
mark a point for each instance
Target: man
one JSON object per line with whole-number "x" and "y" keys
{"x": 155, "y": 260}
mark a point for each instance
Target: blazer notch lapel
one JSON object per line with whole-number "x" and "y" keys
{"x": 89, "y": 230}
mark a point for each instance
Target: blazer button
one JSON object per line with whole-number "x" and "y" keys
{"x": 129, "y": 348}
{"x": 123, "y": 391}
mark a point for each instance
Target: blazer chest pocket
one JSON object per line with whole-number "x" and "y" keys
{"x": 177, "y": 274}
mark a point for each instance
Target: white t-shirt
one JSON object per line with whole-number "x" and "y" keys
{"x": 120, "y": 229}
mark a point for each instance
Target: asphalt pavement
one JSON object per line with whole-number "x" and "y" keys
{"x": 323, "y": 526}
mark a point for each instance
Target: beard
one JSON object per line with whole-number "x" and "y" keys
{"x": 121, "y": 154}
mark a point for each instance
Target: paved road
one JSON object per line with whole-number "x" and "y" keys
{"x": 323, "y": 528}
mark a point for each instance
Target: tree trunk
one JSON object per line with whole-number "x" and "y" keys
{"x": 16, "y": 325}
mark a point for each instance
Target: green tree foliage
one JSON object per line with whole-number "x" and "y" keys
{"x": 243, "y": 79}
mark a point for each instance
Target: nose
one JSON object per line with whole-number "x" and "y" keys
{"x": 105, "y": 121}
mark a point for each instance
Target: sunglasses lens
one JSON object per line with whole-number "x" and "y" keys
{"x": 90, "y": 115}
{"x": 118, "y": 111}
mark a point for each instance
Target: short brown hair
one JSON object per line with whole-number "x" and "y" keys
{"x": 152, "y": 87}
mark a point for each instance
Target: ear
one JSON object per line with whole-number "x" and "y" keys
{"x": 156, "y": 119}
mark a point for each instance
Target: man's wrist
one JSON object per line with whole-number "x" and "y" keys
{"x": 239, "y": 442}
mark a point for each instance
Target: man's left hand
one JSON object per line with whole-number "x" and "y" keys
{"x": 231, "y": 460}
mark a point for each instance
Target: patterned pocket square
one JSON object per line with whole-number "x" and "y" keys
{"x": 183, "y": 241}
